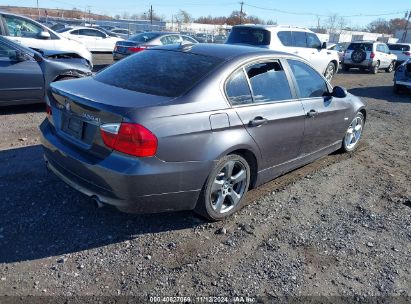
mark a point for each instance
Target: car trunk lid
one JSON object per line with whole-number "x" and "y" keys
{"x": 80, "y": 107}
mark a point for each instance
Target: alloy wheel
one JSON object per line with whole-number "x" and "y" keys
{"x": 354, "y": 132}
{"x": 229, "y": 186}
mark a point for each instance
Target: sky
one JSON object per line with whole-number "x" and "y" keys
{"x": 288, "y": 12}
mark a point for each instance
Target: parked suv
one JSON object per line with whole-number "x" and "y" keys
{"x": 401, "y": 50}
{"x": 295, "y": 40}
{"x": 37, "y": 36}
{"x": 369, "y": 55}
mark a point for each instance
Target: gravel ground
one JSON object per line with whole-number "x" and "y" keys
{"x": 340, "y": 226}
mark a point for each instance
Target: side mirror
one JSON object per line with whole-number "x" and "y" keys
{"x": 324, "y": 45}
{"x": 18, "y": 56}
{"x": 44, "y": 35}
{"x": 339, "y": 92}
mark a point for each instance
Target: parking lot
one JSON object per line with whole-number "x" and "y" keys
{"x": 340, "y": 226}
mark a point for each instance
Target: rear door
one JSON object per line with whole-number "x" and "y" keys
{"x": 325, "y": 116}
{"x": 20, "y": 81}
{"x": 85, "y": 37}
{"x": 262, "y": 97}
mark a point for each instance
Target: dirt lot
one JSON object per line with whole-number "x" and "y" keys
{"x": 338, "y": 227}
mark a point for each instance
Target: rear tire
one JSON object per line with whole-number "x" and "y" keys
{"x": 225, "y": 188}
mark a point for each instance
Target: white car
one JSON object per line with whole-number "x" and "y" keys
{"x": 295, "y": 40}
{"x": 35, "y": 35}
{"x": 401, "y": 50}
{"x": 94, "y": 39}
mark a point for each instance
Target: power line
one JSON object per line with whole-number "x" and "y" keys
{"x": 316, "y": 14}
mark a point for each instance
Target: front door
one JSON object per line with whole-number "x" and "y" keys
{"x": 20, "y": 81}
{"x": 323, "y": 113}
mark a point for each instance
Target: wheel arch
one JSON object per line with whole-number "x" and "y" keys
{"x": 251, "y": 159}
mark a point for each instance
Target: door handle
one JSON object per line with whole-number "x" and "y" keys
{"x": 312, "y": 113}
{"x": 257, "y": 121}
{"x": 296, "y": 52}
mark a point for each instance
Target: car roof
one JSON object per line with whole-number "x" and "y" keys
{"x": 223, "y": 51}
{"x": 273, "y": 27}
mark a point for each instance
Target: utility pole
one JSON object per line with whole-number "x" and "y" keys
{"x": 404, "y": 36}
{"x": 241, "y": 12}
{"x": 38, "y": 9}
{"x": 151, "y": 16}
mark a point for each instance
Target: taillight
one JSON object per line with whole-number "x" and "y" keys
{"x": 48, "y": 110}
{"x": 372, "y": 55}
{"x": 129, "y": 138}
{"x": 407, "y": 53}
{"x": 136, "y": 49}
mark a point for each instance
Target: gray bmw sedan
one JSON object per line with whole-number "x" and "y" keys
{"x": 194, "y": 127}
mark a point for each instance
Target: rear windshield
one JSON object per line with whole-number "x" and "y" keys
{"x": 144, "y": 37}
{"x": 158, "y": 72}
{"x": 362, "y": 46}
{"x": 248, "y": 35}
{"x": 399, "y": 47}
{"x": 64, "y": 29}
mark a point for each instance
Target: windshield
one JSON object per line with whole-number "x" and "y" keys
{"x": 360, "y": 46}
{"x": 159, "y": 72}
{"x": 248, "y": 35}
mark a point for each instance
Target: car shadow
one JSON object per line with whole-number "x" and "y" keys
{"x": 385, "y": 93}
{"x": 21, "y": 109}
{"x": 40, "y": 216}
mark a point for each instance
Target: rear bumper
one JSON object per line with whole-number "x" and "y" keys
{"x": 366, "y": 63}
{"x": 118, "y": 56}
{"x": 131, "y": 184}
{"x": 403, "y": 83}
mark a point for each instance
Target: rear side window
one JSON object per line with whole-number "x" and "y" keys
{"x": 285, "y": 38}
{"x": 249, "y": 35}
{"x": 299, "y": 39}
{"x": 237, "y": 89}
{"x": 143, "y": 37}
{"x": 268, "y": 82}
{"x": 309, "y": 82}
{"x": 399, "y": 47}
{"x": 158, "y": 72}
{"x": 360, "y": 46}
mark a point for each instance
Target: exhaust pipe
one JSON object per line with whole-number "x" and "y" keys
{"x": 97, "y": 202}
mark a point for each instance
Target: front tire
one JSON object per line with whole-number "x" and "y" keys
{"x": 330, "y": 71}
{"x": 390, "y": 67}
{"x": 345, "y": 67}
{"x": 353, "y": 134}
{"x": 375, "y": 68}
{"x": 225, "y": 188}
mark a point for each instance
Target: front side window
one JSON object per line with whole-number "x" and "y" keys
{"x": 299, "y": 39}
{"x": 313, "y": 41}
{"x": 19, "y": 27}
{"x": 91, "y": 33}
{"x": 309, "y": 82}
{"x": 268, "y": 82}
{"x": 6, "y": 52}
{"x": 237, "y": 89}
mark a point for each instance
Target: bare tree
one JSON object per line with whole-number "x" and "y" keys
{"x": 335, "y": 24}
{"x": 183, "y": 17}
